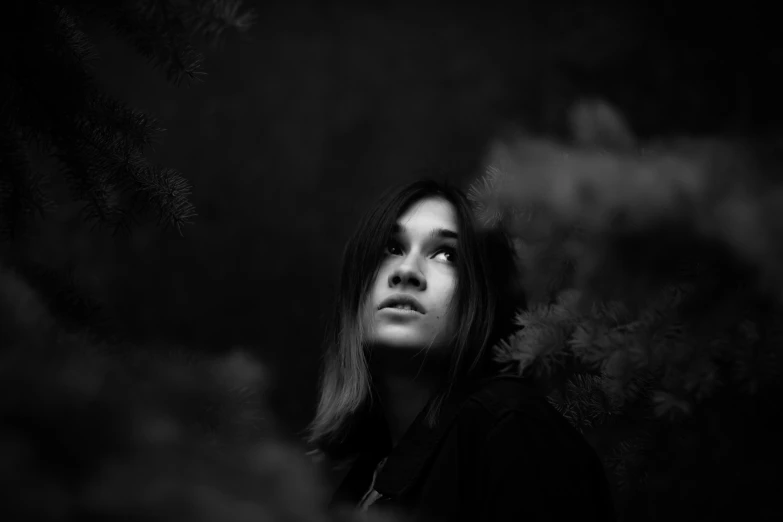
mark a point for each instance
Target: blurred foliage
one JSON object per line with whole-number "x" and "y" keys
{"x": 97, "y": 431}
{"x": 655, "y": 278}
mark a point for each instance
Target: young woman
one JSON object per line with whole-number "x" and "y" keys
{"x": 411, "y": 405}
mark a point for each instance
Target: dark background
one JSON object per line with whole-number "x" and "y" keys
{"x": 296, "y": 130}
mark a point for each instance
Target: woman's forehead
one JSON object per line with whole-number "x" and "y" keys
{"x": 428, "y": 214}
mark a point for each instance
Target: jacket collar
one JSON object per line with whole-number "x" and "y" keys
{"x": 407, "y": 461}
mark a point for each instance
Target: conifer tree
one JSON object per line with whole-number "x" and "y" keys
{"x": 50, "y": 104}
{"x": 57, "y": 120}
{"x": 654, "y": 275}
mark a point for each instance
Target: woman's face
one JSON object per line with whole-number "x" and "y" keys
{"x": 419, "y": 266}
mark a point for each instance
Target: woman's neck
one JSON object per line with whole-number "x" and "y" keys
{"x": 402, "y": 398}
{"x": 405, "y": 384}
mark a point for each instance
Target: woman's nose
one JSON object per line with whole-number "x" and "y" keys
{"x": 407, "y": 274}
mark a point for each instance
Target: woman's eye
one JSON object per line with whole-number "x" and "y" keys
{"x": 393, "y": 248}
{"x": 450, "y": 255}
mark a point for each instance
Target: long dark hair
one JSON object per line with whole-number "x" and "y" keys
{"x": 485, "y": 304}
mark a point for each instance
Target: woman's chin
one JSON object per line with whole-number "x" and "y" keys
{"x": 406, "y": 344}
{"x": 400, "y": 343}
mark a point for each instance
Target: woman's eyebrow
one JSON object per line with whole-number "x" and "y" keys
{"x": 442, "y": 233}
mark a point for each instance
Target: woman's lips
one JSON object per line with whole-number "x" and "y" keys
{"x": 402, "y": 300}
{"x": 399, "y": 311}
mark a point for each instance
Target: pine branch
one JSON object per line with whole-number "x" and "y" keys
{"x": 169, "y": 192}
{"x": 160, "y": 30}
{"x": 631, "y": 393}
{"x": 626, "y": 462}
{"x": 539, "y": 347}
{"x": 128, "y": 181}
{"x": 98, "y": 141}
{"x": 158, "y": 37}
{"x": 56, "y": 118}
{"x": 584, "y": 403}
{"x": 87, "y": 171}
{"x": 122, "y": 127}
{"x": 211, "y": 18}
{"x": 479, "y": 193}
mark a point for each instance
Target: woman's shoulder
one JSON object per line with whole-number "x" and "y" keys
{"x": 510, "y": 432}
{"x": 500, "y": 395}
{"x": 510, "y": 405}
{"x": 486, "y": 404}
{"x": 508, "y": 412}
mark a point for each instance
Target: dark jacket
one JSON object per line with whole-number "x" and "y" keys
{"x": 499, "y": 452}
